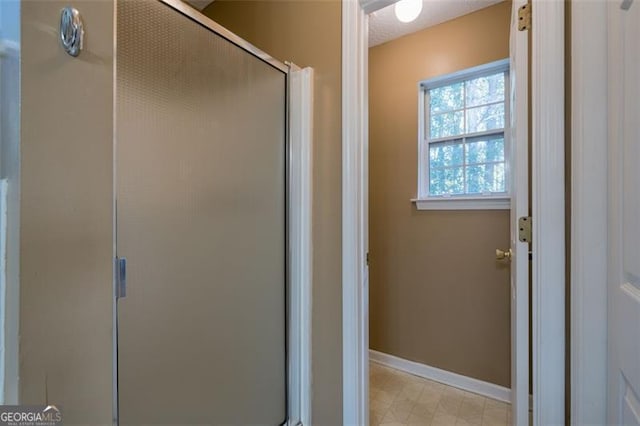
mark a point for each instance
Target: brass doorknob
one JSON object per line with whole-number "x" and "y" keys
{"x": 503, "y": 254}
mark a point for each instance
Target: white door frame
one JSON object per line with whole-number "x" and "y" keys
{"x": 589, "y": 212}
{"x": 548, "y": 195}
{"x": 355, "y": 175}
{"x": 548, "y": 212}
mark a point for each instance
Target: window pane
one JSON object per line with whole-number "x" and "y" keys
{"x": 446, "y": 181}
{"x": 485, "y": 149}
{"x": 446, "y": 154}
{"x": 485, "y": 90}
{"x": 484, "y": 118}
{"x": 446, "y": 98}
{"x": 484, "y": 178}
{"x": 477, "y": 165}
{"x": 446, "y": 124}
{"x": 436, "y": 181}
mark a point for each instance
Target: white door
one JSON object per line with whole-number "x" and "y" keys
{"x": 519, "y": 208}
{"x": 624, "y": 213}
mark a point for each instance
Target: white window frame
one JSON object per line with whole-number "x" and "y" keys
{"x": 493, "y": 201}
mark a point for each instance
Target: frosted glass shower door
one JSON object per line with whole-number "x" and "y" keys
{"x": 200, "y": 196}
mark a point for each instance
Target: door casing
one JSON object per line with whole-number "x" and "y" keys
{"x": 588, "y": 212}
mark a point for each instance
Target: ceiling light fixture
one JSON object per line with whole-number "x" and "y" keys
{"x": 408, "y": 10}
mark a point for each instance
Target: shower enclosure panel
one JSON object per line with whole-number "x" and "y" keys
{"x": 201, "y": 168}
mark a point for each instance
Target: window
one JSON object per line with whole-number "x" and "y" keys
{"x": 463, "y": 145}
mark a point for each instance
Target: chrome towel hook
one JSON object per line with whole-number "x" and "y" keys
{"x": 71, "y": 30}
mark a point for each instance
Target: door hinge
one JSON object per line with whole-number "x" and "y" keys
{"x": 367, "y": 258}
{"x": 524, "y": 229}
{"x": 524, "y": 17}
{"x": 121, "y": 277}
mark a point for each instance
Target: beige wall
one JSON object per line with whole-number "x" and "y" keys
{"x": 437, "y": 295}
{"x": 66, "y": 213}
{"x": 309, "y": 34}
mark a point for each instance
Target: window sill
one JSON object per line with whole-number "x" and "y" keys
{"x": 463, "y": 203}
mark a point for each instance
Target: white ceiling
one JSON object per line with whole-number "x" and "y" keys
{"x": 384, "y": 26}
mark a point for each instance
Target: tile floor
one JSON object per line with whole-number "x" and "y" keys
{"x": 398, "y": 398}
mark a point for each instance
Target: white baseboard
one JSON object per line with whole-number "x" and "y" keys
{"x": 487, "y": 389}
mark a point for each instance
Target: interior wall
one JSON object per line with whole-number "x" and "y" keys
{"x": 10, "y": 171}
{"x": 66, "y": 239}
{"x": 437, "y": 294}
{"x": 308, "y": 33}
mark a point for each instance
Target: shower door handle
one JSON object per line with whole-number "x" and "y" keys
{"x": 121, "y": 277}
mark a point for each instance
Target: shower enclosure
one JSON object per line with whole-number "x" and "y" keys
{"x": 201, "y": 162}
